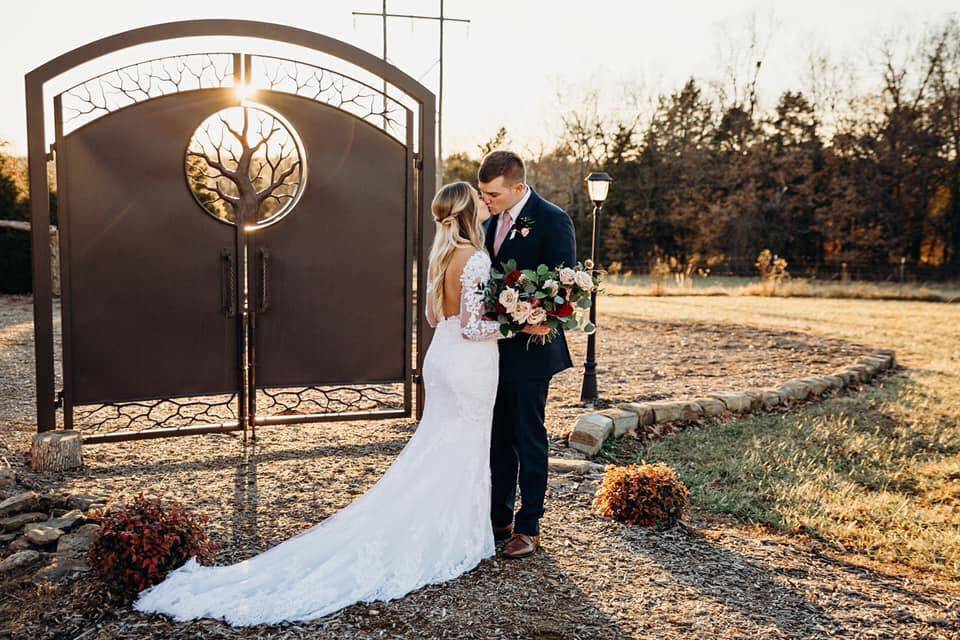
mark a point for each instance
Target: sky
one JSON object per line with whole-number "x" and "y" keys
{"x": 518, "y": 63}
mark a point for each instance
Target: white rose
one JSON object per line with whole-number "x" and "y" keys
{"x": 552, "y": 286}
{"x": 567, "y": 275}
{"x": 509, "y": 299}
{"x": 583, "y": 280}
{"x": 588, "y": 264}
{"x": 521, "y": 313}
{"x": 537, "y": 316}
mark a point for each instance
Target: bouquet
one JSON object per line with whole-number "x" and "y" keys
{"x": 556, "y": 298}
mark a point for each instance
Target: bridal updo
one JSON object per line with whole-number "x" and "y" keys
{"x": 455, "y": 213}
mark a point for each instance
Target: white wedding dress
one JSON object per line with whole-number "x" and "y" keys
{"x": 427, "y": 520}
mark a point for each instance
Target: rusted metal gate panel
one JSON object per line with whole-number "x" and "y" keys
{"x": 336, "y": 284}
{"x": 145, "y": 300}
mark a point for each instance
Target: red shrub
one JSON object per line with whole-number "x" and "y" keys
{"x": 139, "y": 543}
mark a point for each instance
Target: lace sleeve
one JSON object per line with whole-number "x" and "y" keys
{"x": 476, "y": 273}
{"x": 428, "y": 305}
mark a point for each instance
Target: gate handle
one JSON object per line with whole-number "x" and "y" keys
{"x": 263, "y": 282}
{"x": 228, "y": 284}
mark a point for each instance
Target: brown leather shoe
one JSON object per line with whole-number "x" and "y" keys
{"x": 521, "y": 545}
{"x": 502, "y": 533}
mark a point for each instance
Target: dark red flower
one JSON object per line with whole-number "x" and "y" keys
{"x": 501, "y": 308}
{"x": 563, "y": 311}
{"x": 512, "y": 277}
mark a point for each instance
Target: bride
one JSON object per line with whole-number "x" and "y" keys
{"x": 427, "y": 520}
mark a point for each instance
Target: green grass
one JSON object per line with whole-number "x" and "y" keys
{"x": 876, "y": 472}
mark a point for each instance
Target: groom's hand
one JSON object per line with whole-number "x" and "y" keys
{"x": 539, "y": 330}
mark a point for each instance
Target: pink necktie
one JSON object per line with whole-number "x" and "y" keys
{"x": 501, "y": 232}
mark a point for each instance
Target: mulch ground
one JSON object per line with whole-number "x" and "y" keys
{"x": 594, "y": 578}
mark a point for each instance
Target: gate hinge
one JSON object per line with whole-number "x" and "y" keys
{"x": 416, "y": 377}
{"x": 58, "y": 403}
{"x": 418, "y": 160}
{"x": 53, "y": 148}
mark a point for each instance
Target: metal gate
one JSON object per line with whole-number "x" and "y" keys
{"x": 239, "y": 237}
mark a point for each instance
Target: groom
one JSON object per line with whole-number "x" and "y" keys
{"x": 526, "y": 228}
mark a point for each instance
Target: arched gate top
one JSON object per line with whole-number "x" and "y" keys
{"x": 228, "y": 27}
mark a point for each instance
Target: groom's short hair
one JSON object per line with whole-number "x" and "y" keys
{"x": 502, "y": 163}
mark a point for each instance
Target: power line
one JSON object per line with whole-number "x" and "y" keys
{"x": 442, "y": 19}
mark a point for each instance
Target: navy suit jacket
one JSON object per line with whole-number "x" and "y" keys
{"x": 551, "y": 241}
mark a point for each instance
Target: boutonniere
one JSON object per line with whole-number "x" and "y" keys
{"x": 523, "y": 225}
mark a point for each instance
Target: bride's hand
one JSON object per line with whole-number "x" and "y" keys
{"x": 539, "y": 330}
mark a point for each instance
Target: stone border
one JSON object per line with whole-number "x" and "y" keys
{"x": 592, "y": 429}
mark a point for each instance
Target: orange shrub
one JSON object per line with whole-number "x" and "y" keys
{"x": 646, "y": 495}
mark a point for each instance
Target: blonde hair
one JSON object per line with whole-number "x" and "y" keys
{"x": 455, "y": 212}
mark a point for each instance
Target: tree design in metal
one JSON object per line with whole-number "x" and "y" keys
{"x": 143, "y": 81}
{"x": 155, "y": 414}
{"x": 330, "y": 87}
{"x": 175, "y": 413}
{"x": 246, "y": 161}
{"x": 333, "y": 400}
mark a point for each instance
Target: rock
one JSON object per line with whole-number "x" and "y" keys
{"x": 84, "y": 501}
{"x": 817, "y": 385}
{"x": 864, "y": 373}
{"x": 875, "y": 364}
{"x": 65, "y": 522}
{"x": 589, "y": 433}
{"x": 849, "y": 376}
{"x": 666, "y": 411}
{"x": 61, "y": 567}
{"x": 769, "y": 398}
{"x": 710, "y": 406}
{"x": 56, "y": 450}
{"x": 8, "y": 479}
{"x": 41, "y": 535}
{"x": 623, "y": 421}
{"x": 889, "y": 354}
{"x": 560, "y": 465}
{"x": 835, "y": 381}
{"x": 16, "y": 523}
{"x": 643, "y": 411}
{"x": 672, "y": 411}
{"x": 736, "y": 402}
{"x": 19, "y": 559}
{"x": 20, "y": 544}
{"x": 882, "y": 361}
{"x": 7, "y": 537}
{"x": 794, "y": 390}
{"x": 27, "y": 501}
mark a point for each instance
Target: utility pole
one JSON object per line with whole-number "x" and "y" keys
{"x": 442, "y": 19}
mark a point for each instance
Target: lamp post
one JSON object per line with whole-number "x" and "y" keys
{"x": 598, "y": 184}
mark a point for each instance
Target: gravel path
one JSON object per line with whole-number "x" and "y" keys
{"x": 594, "y": 578}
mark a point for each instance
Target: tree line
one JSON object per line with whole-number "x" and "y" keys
{"x": 860, "y": 184}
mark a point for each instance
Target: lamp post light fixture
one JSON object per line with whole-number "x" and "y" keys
{"x": 598, "y": 185}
